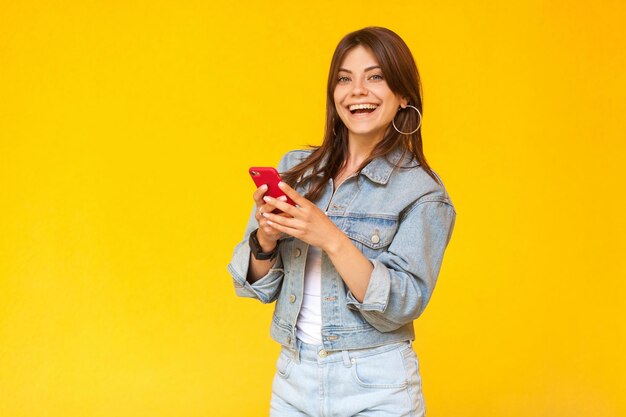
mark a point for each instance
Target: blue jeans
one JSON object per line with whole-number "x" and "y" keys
{"x": 382, "y": 381}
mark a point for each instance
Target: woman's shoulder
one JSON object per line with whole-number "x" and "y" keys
{"x": 293, "y": 158}
{"x": 417, "y": 180}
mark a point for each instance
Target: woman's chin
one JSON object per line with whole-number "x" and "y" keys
{"x": 363, "y": 133}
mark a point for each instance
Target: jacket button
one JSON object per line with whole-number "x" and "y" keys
{"x": 288, "y": 340}
{"x": 375, "y": 239}
{"x": 292, "y": 298}
{"x": 297, "y": 252}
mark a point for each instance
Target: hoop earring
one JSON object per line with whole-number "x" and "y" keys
{"x": 393, "y": 122}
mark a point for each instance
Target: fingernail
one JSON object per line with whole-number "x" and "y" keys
{"x": 266, "y": 215}
{"x": 282, "y": 198}
{"x": 264, "y": 187}
{"x": 267, "y": 198}
{"x": 280, "y": 184}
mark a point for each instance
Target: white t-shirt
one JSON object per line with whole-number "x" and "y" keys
{"x": 309, "y": 323}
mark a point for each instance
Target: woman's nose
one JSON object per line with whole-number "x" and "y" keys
{"x": 358, "y": 88}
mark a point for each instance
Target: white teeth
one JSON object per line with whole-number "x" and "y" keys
{"x": 354, "y": 107}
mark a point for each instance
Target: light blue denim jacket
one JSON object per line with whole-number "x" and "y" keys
{"x": 399, "y": 218}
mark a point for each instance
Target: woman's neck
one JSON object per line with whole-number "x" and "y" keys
{"x": 359, "y": 149}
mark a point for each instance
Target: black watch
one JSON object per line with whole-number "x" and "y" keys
{"x": 257, "y": 251}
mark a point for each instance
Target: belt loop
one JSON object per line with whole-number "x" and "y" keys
{"x": 296, "y": 354}
{"x": 346, "y": 358}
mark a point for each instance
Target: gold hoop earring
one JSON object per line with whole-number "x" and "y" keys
{"x": 393, "y": 122}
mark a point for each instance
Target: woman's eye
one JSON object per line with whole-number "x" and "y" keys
{"x": 343, "y": 79}
{"x": 376, "y": 77}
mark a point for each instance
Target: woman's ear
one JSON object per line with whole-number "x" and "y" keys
{"x": 404, "y": 102}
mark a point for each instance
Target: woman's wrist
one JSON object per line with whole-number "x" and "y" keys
{"x": 337, "y": 244}
{"x": 267, "y": 244}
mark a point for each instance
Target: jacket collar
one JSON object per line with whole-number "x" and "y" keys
{"x": 379, "y": 169}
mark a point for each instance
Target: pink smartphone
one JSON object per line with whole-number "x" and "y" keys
{"x": 269, "y": 176}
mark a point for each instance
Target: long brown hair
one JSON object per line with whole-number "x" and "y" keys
{"x": 400, "y": 72}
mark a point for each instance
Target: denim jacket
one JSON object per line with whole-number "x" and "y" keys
{"x": 399, "y": 218}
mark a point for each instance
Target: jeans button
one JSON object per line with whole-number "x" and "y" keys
{"x": 322, "y": 353}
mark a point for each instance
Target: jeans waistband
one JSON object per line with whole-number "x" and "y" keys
{"x": 317, "y": 353}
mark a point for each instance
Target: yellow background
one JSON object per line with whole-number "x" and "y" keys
{"x": 126, "y": 129}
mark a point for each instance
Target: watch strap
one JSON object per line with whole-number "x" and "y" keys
{"x": 257, "y": 251}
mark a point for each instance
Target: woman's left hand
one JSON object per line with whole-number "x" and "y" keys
{"x": 311, "y": 225}
{"x": 307, "y": 222}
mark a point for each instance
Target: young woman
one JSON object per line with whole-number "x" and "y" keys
{"x": 356, "y": 260}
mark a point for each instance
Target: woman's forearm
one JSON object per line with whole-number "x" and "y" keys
{"x": 353, "y": 267}
{"x": 258, "y": 269}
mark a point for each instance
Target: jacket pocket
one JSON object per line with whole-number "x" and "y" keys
{"x": 372, "y": 235}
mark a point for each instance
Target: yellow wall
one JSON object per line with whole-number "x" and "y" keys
{"x": 125, "y": 132}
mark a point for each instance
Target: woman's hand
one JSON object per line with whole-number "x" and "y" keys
{"x": 311, "y": 225}
{"x": 267, "y": 235}
{"x": 305, "y": 221}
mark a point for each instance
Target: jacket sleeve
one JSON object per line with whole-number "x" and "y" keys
{"x": 268, "y": 287}
{"x": 265, "y": 289}
{"x": 405, "y": 275}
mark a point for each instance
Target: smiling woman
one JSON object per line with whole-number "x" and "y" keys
{"x": 355, "y": 261}
{"x": 368, "y": 66}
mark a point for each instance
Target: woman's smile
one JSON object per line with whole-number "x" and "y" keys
{"x": 362, "y": 110}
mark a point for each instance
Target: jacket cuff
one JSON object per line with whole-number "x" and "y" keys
{"x": 377, "y": 293}
{"x": 264, "y": 288}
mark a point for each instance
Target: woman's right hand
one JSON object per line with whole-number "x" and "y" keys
{"x": 267, "y": 235}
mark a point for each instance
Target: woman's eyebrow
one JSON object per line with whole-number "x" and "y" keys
{"x": 366, "y": 69}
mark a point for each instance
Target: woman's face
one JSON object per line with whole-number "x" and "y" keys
{"x": 363, "y": 99}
